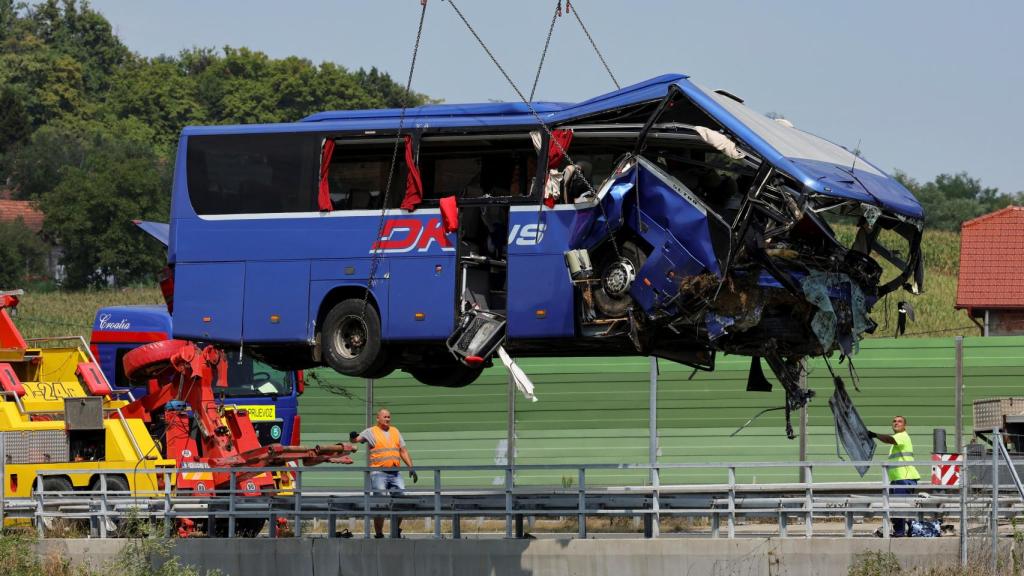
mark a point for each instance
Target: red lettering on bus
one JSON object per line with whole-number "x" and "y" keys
{"x": 433, "y": 232}
{"x": 408, "y": 234}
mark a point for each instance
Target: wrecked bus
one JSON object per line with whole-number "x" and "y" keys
{"x": 662, "y": 219}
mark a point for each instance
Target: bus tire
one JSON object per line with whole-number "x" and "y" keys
{"x": 350, "y": 338}
{"x": 453, "y": 375}
{"x": 385, "y": 365}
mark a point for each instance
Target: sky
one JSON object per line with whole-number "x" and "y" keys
{"x": 924, "y": 86}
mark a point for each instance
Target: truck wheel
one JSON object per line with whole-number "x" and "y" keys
{"x": 351, "y": 338}
{"x": 151, "y": 360}
{"x": 62, "y": 527}
{"x": 453, "y": 375}
{"x": 123, "y": 527}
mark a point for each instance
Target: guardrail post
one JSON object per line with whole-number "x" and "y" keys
{"x": 732, "y": 501}
{"x": 651, "y": 528}
{"x": 40, "y": 507}
{"x": 886, "y": 512}
{"x": 582, "y": 503}
{"x": 509, "y": 529}
{"x": 809, "y": 495}
{"x": 232, "y": 489}
{"x": 437, "y": 503}
{"x": 298, "y": 502}
{"x": 997, "y": 441}
{"x": 366, "y": 502}
{"x": 964, "y": 480}
{"x": 103, "y": 505}
{"x": 167, "y": 504}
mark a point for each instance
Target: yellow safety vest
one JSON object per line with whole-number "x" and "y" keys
{"x": 385, "y": 451}
{"x": 902, "y": 451}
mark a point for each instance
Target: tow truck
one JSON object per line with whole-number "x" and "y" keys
{"x": 59, "y": 412}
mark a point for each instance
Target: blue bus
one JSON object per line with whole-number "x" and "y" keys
{"x": 270, "y": 396}
{"x": 662, "y": 219}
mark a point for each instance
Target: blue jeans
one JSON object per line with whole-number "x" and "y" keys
{"x": 904, "y": 488}
{"x": 385, "y": 483}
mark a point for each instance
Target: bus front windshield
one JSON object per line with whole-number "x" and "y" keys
{"x": 249, "y": 378}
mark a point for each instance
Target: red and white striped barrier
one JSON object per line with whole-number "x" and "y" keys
{"x": 944, "y": 471}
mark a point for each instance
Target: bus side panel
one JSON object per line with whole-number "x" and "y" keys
{"x": 539, "y": 283}
{"x": 422, "y": 285}
{"x": 208, "y": 301}
{"x": 537, "y": 277}
{"x": 276, "y": 301}
{"x": 319, "y": 289}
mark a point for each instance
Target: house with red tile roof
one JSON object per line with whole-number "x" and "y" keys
{"x": 991, "y": 282}
{"x": 11, "y": 210}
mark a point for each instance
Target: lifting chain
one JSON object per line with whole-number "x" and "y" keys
{"x": 533, "y": 112}
{"x": 376, "y": 254}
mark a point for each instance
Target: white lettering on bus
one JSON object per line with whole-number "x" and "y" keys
{"x": 527, "y": 234}
{"x": 106, "y": 324}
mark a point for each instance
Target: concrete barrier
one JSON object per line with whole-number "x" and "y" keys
{"x": 597, "y": 557}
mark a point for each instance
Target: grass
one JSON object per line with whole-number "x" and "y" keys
{"x": 141, "y": 556}
{"x": 61, "y": 313}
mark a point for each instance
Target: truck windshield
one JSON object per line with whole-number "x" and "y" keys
{"x": 249, "y": 378}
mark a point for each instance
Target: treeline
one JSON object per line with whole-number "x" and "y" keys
{"x": 88, "y": 130}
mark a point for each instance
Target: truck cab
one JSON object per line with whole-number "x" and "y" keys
{"x": 270, "y": 396}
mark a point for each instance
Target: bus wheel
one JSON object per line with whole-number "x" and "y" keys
{"x": 454, "y": 375}
{"x": 385, "y": 365}
{"x": 351, "y": 338}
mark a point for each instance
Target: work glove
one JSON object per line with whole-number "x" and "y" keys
{"x": 352, "y": 436}
{"x": 872, "y": 435}
{"x": 415, "y": 477}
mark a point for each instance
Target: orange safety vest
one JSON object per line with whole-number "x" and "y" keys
{"x": 384, "y": 453}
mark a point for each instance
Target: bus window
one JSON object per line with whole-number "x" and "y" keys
{"x": 253, "y": 173}
{"x": 499, "y": 168}
{"x": 359, "y": 174}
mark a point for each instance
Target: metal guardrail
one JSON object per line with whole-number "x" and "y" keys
{"x": 730, "y": 503}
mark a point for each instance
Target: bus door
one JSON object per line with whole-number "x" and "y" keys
{"x": 540, "y": 295}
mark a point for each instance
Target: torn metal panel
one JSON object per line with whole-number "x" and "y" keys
{"x": 850, "y": 429}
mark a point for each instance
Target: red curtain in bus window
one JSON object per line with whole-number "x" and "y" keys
{"x": 413, "y": 183}
{"x": 556, "y": 152}
{"x": 323, "y": 198}
{"x": 449, "y": 214}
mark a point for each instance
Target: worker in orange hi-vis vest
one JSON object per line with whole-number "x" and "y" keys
{"x": 387, "y": 452}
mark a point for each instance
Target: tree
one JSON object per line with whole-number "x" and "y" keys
{"x": 36, "y": 165}
{"x": 89, "y": 213}
{"x": 951, "y": 199}
{"x": 22, "y": 254}
{"x": 14, "y": 122}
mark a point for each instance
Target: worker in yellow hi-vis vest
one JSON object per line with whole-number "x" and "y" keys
{"x": 903, "y": 477}
{"x": 387, "y": 452}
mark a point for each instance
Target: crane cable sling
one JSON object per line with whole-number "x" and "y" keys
{"x": 544, "y": 53}
{"x": 600, "y": 57}
{"x": 536, "y": 116}
{"x": 375, "y": 258}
